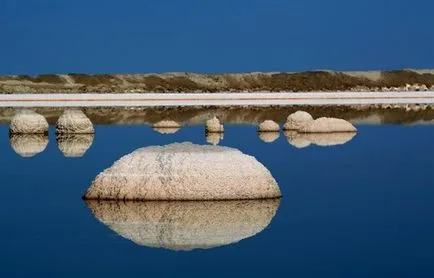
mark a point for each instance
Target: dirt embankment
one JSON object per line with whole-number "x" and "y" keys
{"x": 403, "y": 80}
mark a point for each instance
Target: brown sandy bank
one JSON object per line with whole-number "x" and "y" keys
{"x": 400, "y": 80}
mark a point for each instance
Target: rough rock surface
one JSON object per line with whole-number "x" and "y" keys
{"x": 74, "y": 122}
{"x": 297, "y": 120}
{"x": 166, "y": 124}
{"x": 74, "y": 145}
{"x": 326, "y": 125}
{"x": 184, "y": 171}
{"x": 28, "y": 145}
{"x": 269, "y": 137}
{"x": 28, "y": 122}
{"x": 213, "y": 125}
{"x": 185, "y": 225}
{"x": 269, "y": 126}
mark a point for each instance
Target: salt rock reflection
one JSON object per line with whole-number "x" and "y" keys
{"x": 303, "y": 140}
{"x": 74, "y": 145}
{"x": 214, "y": 138}
{"x": 184, "y": 171}
{"x": 28, "y": 145}
{"x": 166, "y": 130}
{"x": 269, "y": 137}
{"x": 185, "y": 225}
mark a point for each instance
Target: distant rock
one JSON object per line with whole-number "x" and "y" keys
{"x": 326, "y": 125}
{"x": 297, "y": 120}
{"x": 28, "y": 122}
{"x": 166, "y": 124}
{"x": 297, "y": 140}
{"x": 184, "y": 171}
{"x": 74, "y": 145}
{"x": 74, "y": 122}
{"x": 214, "y": 138}
{"x": 213, "y": 125}
{"x": 28, "y": 145}
{"x": 184, "y": 226}
{"x": 269, "y": 126}
{"x": 269, "y": 137}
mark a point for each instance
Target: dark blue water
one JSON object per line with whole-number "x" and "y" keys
{"x": 363, "y": 209}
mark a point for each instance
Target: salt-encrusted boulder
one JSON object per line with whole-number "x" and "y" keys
{"x": 297, "y": 120}
{"x": 326, "y": 125}
{"x": 28, "y": 145}
{"x": 296, "y": 139}
{"x": 74, "y": 122}
{"x": 269, "y": 126}
{"x": 184, "y": 171}
{"x": 330, "y": 139}
{"x": 213, "y": 125}
{"x": 28, "y": 122}
{"x": 269, "y": 137}
{"x": 185, "y": 225}
{"x": 166, "y": 124}
{"x": 74, "y": 145}
{"x": 214, "y": 138}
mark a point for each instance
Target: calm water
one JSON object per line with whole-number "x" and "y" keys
{"x": 363, "y": 209}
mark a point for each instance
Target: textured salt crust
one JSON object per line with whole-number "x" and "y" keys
{"x": 213, "y": 125}
{"x": 303, "y": 140}
{"x": 326, "y": 125}
{"x": 297, "y": 120}
{"x": 28, "y": 122}
{"x": 28, "y": 145}
{"x": 184, "y": 225}
{"x": 74, "y": 145}
{"x": 184, "y": 171}
{"x": 269, "y": 137}
{"x": 268, "y": 126}
{"x": 74, "y": 122}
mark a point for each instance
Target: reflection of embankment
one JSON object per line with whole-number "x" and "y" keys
{"x": 303, "y": 140}
{"x": 28, "y": 145}
{"x": 74, "y": 145}
{"x": 238, "y": 115}
{"x": 185, "y": 225}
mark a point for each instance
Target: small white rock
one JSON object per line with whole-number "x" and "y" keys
{"x": 213, "y": 125}
{"x": 74, "y": 122}
{"x": 28, "y": 122}
{"x": 297, "y": 120}
{"x": 269, "y": 126}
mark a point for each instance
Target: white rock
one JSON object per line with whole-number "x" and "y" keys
{"x": 166, "y": 124}
{"x": 28, "y": 122}
{"x": 28, "y": 145}
{"x": 74, "y": 122}
{"x": 184, "y": 172}
{"x": 325, "y": 125}
{"x": 297, "y": 120}
{"x": 269, "y": 126}
{"x": 185, "y": 225}
{"x": 213, "y": 125}
{"x": 74, "y": 145}
{"x": 269, "y": 137}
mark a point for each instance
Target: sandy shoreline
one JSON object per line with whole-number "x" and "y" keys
{"x": 214, "y": 99}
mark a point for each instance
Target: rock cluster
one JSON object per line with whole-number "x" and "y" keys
{"x": 184, "y": 171}
{"x": 185, "y": 225}
{"x": 213, "y": 125}
{"x": 74, "y": 122}
{"x": 28, "y": 122}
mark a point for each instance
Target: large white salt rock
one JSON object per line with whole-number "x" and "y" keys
{"x": 269, "y": 126}
{"x": 297, "y": 120}
{"x": 213, "y": 125}
{"x": 28, "y": 145}
{"x": 184, "y": 171}
{"x": 326, "y": 125}
{"x": 185, "y": 225}
{"x": 28, "y": 122}
{"x": 74, "y": 122}
{"x": 74, "y": 145}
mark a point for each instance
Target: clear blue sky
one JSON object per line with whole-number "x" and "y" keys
{"x": 132, "y": 36}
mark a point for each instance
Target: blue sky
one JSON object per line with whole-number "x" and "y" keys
{"x": 131, "y": 36}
